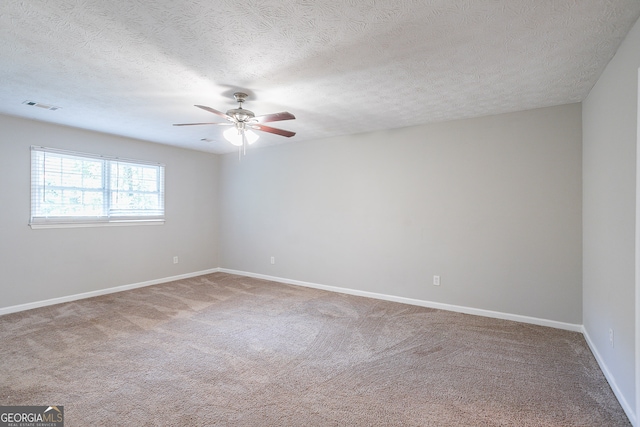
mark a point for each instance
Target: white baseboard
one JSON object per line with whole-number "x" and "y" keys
{"x": 611, "y": 379}
{"x": 52, "y": 301}
{"x": 421, "y": 303}
{"x": 411, "y": 301}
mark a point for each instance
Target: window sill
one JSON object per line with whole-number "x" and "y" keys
{"x": 124, "y": 223}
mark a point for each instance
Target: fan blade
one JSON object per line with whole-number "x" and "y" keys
{"x": 214, "y": 111}
{"x": 194, "y": 124}
{"x": 269, "y": 129}
{"x": 275, "y": 117}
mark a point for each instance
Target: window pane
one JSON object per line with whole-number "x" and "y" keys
{"x": 52, "y": 200}
{"x": 92, "y": 174}
{"x": 52, "y": 171}
{"x": 135, "y": 190}
{"x": 150, "y": 178}
{"x": 93, "y": 202}
{"x": 71, "y": 173}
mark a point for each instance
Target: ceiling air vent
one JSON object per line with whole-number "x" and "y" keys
{"x": 45, "y": 106}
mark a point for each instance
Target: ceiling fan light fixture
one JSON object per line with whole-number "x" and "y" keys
{"x": 234, "y": 136}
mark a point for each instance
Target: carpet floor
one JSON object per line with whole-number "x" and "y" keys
{"x": 226, "y": 350}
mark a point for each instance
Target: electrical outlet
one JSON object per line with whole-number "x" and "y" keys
{"x": 611, "y": 337}
{"x": 175, "y": 259}
{"x": 436, "y": 280}
{"x": 273, "y": 260}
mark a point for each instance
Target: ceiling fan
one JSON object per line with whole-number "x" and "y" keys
{"x": 243, "y": 121}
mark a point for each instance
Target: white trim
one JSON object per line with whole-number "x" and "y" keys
{"x": 69, "y": 298}
{"x": 421, "y": 303}
{"x": 94, "y": 156}
{"x": 610, "y": 378}
{"x": 123, "y": 223}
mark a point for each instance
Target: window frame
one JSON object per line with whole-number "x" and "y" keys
{"x": 111, "y": 215}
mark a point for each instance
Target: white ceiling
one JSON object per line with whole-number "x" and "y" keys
{"x": 135, "y": 67}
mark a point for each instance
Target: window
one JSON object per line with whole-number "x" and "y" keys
{"x": 74, "y": 189}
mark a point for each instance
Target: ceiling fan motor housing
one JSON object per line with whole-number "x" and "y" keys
{"x": 240, "y": 114}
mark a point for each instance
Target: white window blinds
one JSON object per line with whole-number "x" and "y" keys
{"x": 75, "y": 189}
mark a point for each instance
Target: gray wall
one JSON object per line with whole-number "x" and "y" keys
{"x": 610, "y": 120}
{"x": 37, "y": 265}
{"x": 492, "y": 205}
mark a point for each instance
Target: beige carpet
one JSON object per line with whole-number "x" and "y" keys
{"x": 233, "y": 351}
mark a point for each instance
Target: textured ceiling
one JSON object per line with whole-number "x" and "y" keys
{"x": 134, "y": 67}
